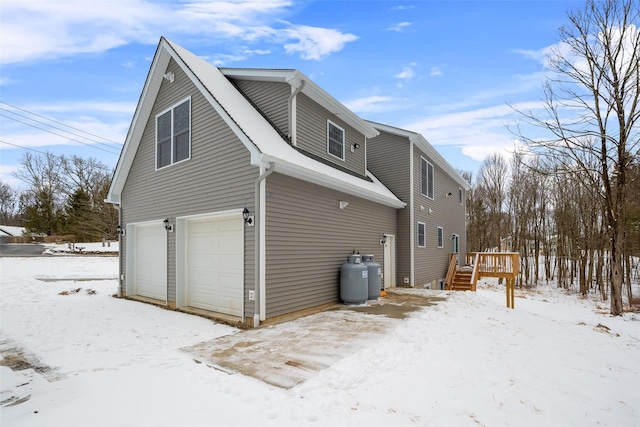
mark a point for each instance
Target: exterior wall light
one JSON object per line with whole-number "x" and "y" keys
{"x": 248, "y": 219}
{"x": 167, "y": 226}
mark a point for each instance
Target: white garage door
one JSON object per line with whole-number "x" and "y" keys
{"x": 151, "y": 261}
{"x": 214, "y": 264}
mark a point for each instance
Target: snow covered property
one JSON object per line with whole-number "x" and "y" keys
{"x": 81, "y": 357}
{"x": 242, "y": 191}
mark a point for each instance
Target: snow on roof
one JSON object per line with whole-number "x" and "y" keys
{"x": 9, "y": 230}
{"x": 264, "y": 143}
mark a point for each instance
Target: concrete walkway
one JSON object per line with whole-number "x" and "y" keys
{"x": 288, "y": 353}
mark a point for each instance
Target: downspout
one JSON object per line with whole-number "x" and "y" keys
{"x": 120, "y": 274}
{"x": 258, "y": 224}
{"x": 292, "y": 134}
{"x": 412, "y": 230}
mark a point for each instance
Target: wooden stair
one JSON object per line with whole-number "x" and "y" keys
{"x": 462, "y": 280}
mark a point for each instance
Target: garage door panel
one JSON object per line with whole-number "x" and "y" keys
{"x": 215, "y": 262}
{"x": 150, "y": 261}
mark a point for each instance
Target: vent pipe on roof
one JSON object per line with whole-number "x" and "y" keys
{"x": 291, "y": 114}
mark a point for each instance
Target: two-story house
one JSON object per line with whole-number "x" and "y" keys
{"x": 242, "y": 191}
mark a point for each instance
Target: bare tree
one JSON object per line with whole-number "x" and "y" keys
{"x": 44, "y": 175}
{"x": 592, "y": 110}
{"x": 8, "y": 204}
{"x": 492, "y": 184}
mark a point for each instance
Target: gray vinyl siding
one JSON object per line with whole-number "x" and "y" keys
{"x": 388, "y": 158}
{"x": 308, "y": 238}
{"x": 218, "y": 176}
{"x": 312, "y": 135}
{"x": 431, "y": 262}
{"x": 271, "y": 98}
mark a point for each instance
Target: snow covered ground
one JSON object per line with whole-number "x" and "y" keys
{"x": 95, "y": 360}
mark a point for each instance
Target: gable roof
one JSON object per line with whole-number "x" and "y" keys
{"x": 264, "y": 143}
{"x": 419, "y": 141}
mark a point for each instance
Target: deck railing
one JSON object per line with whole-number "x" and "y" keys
{"x": 451, "y": 271}
{"x": 495, "y": 264}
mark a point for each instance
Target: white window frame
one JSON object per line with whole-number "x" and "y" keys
{"x": 172, "y": 142}
{"x": 460, "y": 195}
{"x": 344, "y": 140}
{"x": 425, "y": 191}
{"x": 424, "y": 234}
{"x": 440, "y": 237}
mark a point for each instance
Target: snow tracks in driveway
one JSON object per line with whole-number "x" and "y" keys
{"x": 289, "y": 353}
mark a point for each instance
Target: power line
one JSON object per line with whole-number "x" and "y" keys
{"x": 32, "y": 149}
{"x": 62, "y": 136}
{"x": 54, "y": 127}
{"x": 55, "y": 121}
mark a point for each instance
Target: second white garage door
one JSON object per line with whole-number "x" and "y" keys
{"x": 214, "y": 264}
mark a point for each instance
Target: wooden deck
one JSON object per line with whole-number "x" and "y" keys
{"x": 484, "y": 264}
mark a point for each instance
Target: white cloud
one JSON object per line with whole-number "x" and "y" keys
{"x": 399, "y": 27}
{"x": 407, "y": 73}
{"x": 478, "y": 132}
{"x": 37, "y": 30}
{"x": 370, "y": 104}
{"x": 435, "y": 71}
{"x": 316, "y": 42}
{"x": 402, "y": 7}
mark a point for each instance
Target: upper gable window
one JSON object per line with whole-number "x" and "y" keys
{"x": 460, "y": 195}
{"x": 335, "y": 140}
{"x": 426, "y": 178}
{"x": 173, "y": 134}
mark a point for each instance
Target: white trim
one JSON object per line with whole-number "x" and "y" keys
{"x": 263, "y": 247}
{"x": 412, "y": 264}
{"x": 171, "y": 108}
{"x": 427, "y": 148}
{"x": 424, "y": 228}
{"x": 294, "y": 119}
{"x": 440, "y": 237}
{"x": 344, "y": 140}
{"x": 312, "y": 90}
{"x": 433, "y": 172}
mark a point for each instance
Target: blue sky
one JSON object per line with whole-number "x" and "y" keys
{"x": 72, "y": 70}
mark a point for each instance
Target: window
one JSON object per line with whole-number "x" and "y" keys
{"x": 460, "y": 196}
{"x": 173, "y": 135}
{"x": 422, "y": 237}
{"x": 440, "y": 237}
{"x": 335, "y": 140}
{"x": 426, "y": 178}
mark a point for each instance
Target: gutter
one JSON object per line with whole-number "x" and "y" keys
{"x": 292, "y": 133}
{"x": 258, "y": 225}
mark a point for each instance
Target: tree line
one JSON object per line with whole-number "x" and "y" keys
{"x": 572, "y": 195}
{"x": 64, "y": 195}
